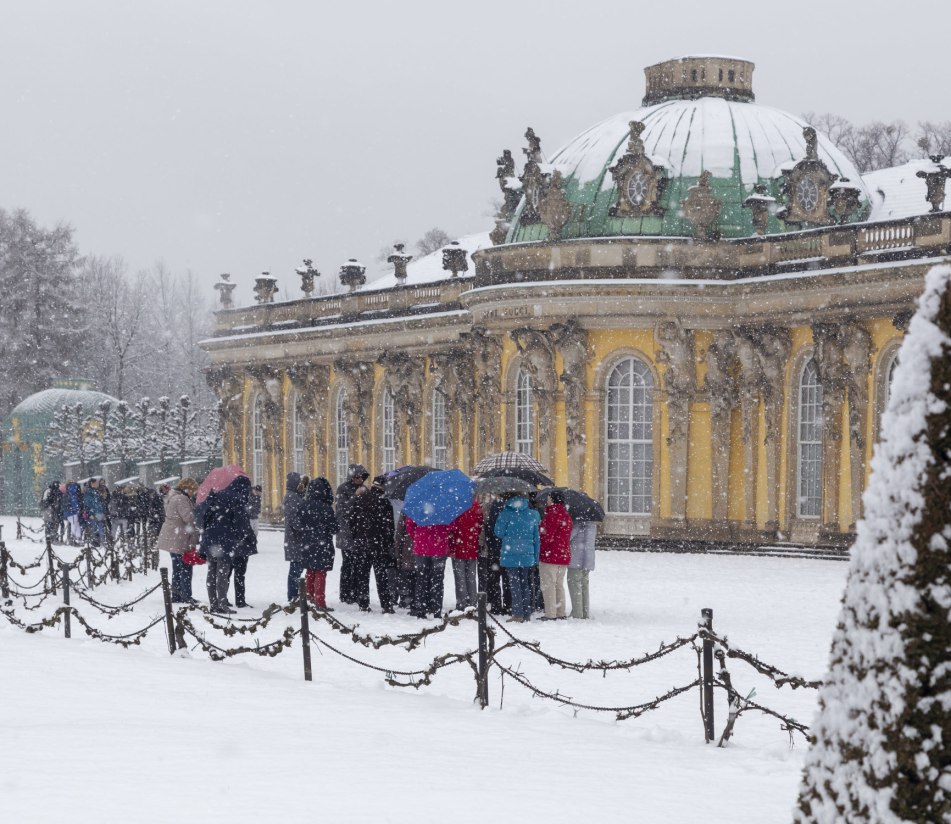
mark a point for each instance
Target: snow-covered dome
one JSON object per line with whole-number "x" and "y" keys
{"x": 46, "y": 403}
{"x": 690, "y": 125}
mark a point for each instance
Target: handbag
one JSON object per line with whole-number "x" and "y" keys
{"x": 192, "y": 558}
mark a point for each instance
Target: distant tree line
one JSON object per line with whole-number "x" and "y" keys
{"x": 163, "y": 430}
{"x": 879, "y": 145}
{"x": 65, "y": 315}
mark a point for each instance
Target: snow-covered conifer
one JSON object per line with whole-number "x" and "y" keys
{"x": 882, "y": 738}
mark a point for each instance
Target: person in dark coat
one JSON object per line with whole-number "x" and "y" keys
{"x": 318, "y": 525}
{"x": 293, "y": 549}
{"x": 51, "y": 507}
{"x": 346, "y": 494}
{"x": 225, "y": 533}
{"x": 254, "y": 507}
{"x": 492, "y": 578}
{"x": 371, "y": 537}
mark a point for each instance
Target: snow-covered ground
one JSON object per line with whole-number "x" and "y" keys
{"x": 93, "y": 732}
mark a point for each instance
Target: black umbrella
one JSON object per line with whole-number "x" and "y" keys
{"x": 532, "y": 476}
{"x": 580, "y": 506}
{"x": 503, "y": 486}
{"x": 399, "y": 480}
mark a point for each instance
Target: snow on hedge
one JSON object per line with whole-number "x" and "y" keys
{"x": 882, "y": 738}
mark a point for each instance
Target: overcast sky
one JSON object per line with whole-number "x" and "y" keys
{"x": 220, "y": 135}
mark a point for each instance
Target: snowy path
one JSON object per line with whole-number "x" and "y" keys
{"x": 92, "y": 732}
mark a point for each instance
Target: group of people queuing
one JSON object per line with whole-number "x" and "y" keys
{"x": 214, "y": 525}
{"x": 90, "y": 512}
{"x": 518, "y": 550}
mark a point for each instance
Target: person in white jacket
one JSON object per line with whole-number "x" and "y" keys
{"x": 583, "y": 534}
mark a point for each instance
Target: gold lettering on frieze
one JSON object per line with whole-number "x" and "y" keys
{"x": 506, "y": 312}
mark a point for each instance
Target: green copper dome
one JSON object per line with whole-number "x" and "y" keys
{"x": 690, "y": 131}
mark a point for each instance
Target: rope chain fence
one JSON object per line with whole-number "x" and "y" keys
{"x": 95, "y": 566}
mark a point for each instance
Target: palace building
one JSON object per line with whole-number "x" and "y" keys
{"x": 691, "y": 311}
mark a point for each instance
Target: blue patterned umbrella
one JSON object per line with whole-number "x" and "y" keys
{"x": 438, "y": 497}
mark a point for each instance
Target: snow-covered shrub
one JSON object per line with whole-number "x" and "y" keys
{"x": 882, "y": 737}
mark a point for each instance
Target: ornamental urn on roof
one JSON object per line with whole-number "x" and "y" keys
{"x": 353, "y": 274}
{"x": 307, "y": 274}
{"x": 265, "y": 285}
{"x": 399, "y": 259}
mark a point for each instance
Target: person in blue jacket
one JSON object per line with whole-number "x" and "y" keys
{"x": 517, "y": 528}
{"x": 95, "y": 512}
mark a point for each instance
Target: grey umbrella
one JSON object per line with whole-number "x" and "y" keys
{"x": 502, "y": 485}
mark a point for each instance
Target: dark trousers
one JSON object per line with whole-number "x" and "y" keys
{"x": 240, "y": 567}
{"x": 495, "y": 584}
{"x": 181, "y": 580}
{"x": 347, "y": 595}
{"x": 363, "y": 563}
{"x": 219, "y": 576}
{"x": 520, "y": 579}
{"x": 538, "y": 600}
{"x": 428, "y": 592}
{"x": 294, "y": 573}
{"x": 402, "y": 585}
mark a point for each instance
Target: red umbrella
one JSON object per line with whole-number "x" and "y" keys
{"x": 219, "y": 478}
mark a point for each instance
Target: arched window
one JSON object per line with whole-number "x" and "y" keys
{"x": 809, "y": 429}
{"x": 257, "y": 440}
{"x": 890, "y": 377}
{"x": 388, "y": 431}
{"x": 630, "y": 438}
{"x": 440, "y": 450}
{"x": 524, "y": 414}
{"x": 342, "y": 436}
{"x": 297, "y": 434}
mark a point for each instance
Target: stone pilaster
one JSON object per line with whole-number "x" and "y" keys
{"x": 772, "y": 351}
{"x": 834, "y": 379}
{"x": 404, "y": 378}
{"x": 720, "y": 388}
{"x": 571, "y": 342}
{"x": 487, "y": 356}
{"x": 680, "y": 384}
{"x": 312, "y": 382}
{"x": 268, "y": 381}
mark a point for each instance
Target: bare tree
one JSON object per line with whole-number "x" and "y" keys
{"x": 434, "y": 239}
{"x": 934, "y": 138}
{"x": 876, "y": 145}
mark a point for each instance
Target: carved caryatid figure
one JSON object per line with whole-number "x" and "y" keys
{"x": 680, "y": 379}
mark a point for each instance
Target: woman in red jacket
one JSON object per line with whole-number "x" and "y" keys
{"x": 431, "y": 546}
{"x": 554, "y": 555}
{"x": 464, "y": 535}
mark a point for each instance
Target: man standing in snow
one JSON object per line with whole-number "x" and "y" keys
{"x": 346, "y": 495}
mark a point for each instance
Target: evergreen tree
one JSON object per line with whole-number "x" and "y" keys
{"x": 882, "y": 739}
{"x": 41, "y": 329}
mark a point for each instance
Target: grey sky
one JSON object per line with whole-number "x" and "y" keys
{"x": 236, "y": 136}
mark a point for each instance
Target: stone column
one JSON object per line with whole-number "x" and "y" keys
{"x": 680, "y": 382}
{"x": 748, "y": 390}
{"x": 721, "y": 391}
{"x": 572, "y": 344}
{"x": 856, "y": 355}
{"x": 772, "y": 351}
{"x": 833, "y": 377}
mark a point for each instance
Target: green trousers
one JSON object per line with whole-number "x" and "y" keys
{"x": 578, "y": 592}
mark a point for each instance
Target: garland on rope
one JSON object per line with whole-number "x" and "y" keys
{"x": 776, "y": 675}
{"x": 603, "y": 666}
{"x": 217, "y": 653}
{"x": 426, "y": 675}
{"x": 112, "y": 611}
{"x": 411, "y": 640}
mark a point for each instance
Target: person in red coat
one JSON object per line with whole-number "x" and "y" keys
{"x": 464, "y": 535}
{"x": 430, "y": 546}
{"x": 554, "y": 555}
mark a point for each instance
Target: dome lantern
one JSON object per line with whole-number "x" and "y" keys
{"x": 687, "y": 78}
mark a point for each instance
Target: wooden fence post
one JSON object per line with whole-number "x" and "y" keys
{"x": 67, "y": 627}
{"x": 19, "y": 529}
{"x": 706, "y": 620}
{"x": 4, "y": 579}
{"x": 304, "y": 626}
{"x": 483, "y": 686}
{"x": 167, "y": 597}
{"x": 51, "y": 569}
{"x": 90, "y": 576}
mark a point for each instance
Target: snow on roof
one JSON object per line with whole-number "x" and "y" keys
{"x": 705, "y": 134}
{"x": 428, "y": 269}
{"x": 898, "y": 192}
{"x": 50, "y": 401}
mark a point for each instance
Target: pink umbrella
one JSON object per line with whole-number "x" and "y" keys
{"x": 218, "y": 479}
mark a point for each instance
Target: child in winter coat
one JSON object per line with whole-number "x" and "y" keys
{"x": 517, "y": 527}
